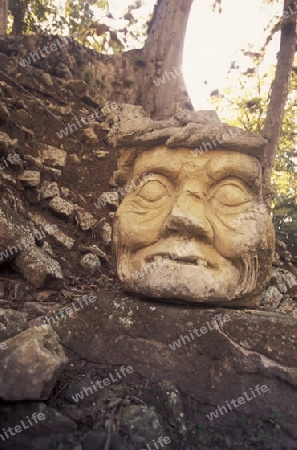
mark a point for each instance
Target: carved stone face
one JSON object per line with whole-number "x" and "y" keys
{"x": 197, "y": 230}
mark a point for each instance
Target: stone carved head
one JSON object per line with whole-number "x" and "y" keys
{"x": 193, "y": 225}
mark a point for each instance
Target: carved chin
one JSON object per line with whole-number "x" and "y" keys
{"x": 193, "y": 282}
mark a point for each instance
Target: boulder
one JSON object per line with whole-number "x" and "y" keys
{"x": 61, "y": 207}
{"x": 53, "y": 156}
{"x": 30, "y": 178}
{"x": 90, "y": 263}
{"x": 17, "y": 243}
{"x": 31, "y": 364}
{"x": 11, "y": 322}
{"x": 227, "y": 358}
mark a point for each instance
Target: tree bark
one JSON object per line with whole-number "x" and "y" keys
{"x": 18, "y": 10}
{"x": 163, "y": 52}
{"x": 280, "y": 86}
{"x": 3, "y": 17}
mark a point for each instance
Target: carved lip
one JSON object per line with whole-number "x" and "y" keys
{"x": 190, "y": 260}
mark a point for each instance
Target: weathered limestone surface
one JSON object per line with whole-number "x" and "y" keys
{"x": 251, "y": 348}
{"x": 17, "y": 242}
{"x": 192, "y": 225}
{"x": 31, "y": 365}
{"x": 185, "y": 129}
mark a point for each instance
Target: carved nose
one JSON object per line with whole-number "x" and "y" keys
{"x": 188, "y": 218}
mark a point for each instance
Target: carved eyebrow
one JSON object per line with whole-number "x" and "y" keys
{"x": 158, "y": 170}
{"x": 249, "y": 171}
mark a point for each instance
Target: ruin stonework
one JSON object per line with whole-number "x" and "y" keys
{"x": 193, "y": 224}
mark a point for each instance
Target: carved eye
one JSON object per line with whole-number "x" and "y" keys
{"x": 231, "y": 195}
{"x": 153, "y": 191}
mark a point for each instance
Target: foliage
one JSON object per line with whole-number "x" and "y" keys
{"x": 247, "y": 109}
{"x": 89, "y": 21}
{"x": 30, "y": 15}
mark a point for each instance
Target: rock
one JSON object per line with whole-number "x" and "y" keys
{"x": 95, "y": 250}
{"x": 53, "y": 156}
{"x": 71, "y": 395}
{"x": 55, "y": 174}
{"x": 143, "y": 422}
{"x": 226, "y": 359}
{"x": 33, "y": 163}
{"x": 49, "y": 190}
{"x": 106, "y": 233}
{"x": 47, "y": 79}
{"x": 78, "y": 87}
{"x": 6, "y": 239}
{"x": 85, "y": 219}
{"x": 2, "y": 289}
{"x": 271, "y": 298}
{"x": 60, "y": 237}
{"x": 50, "y": 429}
{"x": 288, "y": 306}
{"x": 4, "y": 114}
{"x": 61, "y": 207}
{"x": 19, "y": 292}
{"x": 31, "y": 365}
{"x": 74, "y": 159}
{"x": 96, "y": 440}
{"x": 33, "y": 196}
{"x": 283, "y": 280}
{"x": 30, "y": 178}
{"x": 90, "y": 263}
{"x": 100, "y": 154}
{"x": 110, "y": 197}
{"x": 132, "y": 128}
{"x": 36, "y": 266}
{"x": 7, "y": 144}
{"x": 168, "y": 395}
{"x": 89, "y": 136}
{"x": 40, "y": 269}
{"x": 11, "y": 323}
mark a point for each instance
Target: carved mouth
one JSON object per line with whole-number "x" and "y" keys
{"x": 163, "y": 258}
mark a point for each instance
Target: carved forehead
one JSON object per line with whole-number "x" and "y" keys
{"x": 215, "y": 163}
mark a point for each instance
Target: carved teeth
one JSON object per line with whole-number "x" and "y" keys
{"x": 193, "y": 261}
{"x": 201, "y": 262}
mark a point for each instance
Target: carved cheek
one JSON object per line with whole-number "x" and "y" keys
{"x": 139, "y": 227}
{"x": 235, "y": 236}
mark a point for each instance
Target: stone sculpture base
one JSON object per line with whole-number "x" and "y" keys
{"x": 213, "y": 364}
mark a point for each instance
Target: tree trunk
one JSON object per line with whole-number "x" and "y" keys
{"x": 163, "y": 87}
{"x": 18, "y": 26}
{"x": 3, "y": 17}
{"x": 280, "y": 86}
{"x": 18, "y": 10}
